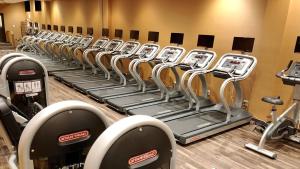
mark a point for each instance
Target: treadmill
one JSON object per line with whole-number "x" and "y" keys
{"x": 70, "y": 80}
{"x": 168, "y": 55}
{"x": 195, "y": 60}
{"x": 129, "y": 48}
{"x": 98, "y": 46}
{"x": 147, "y": 52}
{"x": 195, "y": 125}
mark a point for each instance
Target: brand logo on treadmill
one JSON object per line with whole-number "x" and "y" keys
{"x": 74, "y": 137}
{"x": 144, "y": 159}
{"x": 26, "y": 72}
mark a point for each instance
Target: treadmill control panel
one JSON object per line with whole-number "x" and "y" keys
{"x": 100, "y": 43}
{"x": 238, "y": 65}
{"x": 129, "y": 47}
{"x": 294, "y": 70}
{"x": 113, "y": 45}
{"x": 170, "y": 54}
{"x": 199, "y": 58}
{"x": 147, "y": 50}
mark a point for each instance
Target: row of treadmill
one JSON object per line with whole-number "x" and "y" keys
{"x": 111, "y": 72}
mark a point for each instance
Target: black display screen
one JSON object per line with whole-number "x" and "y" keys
{"x": 55, "y": 27}
{"x": 105, "y": 32}
{"x": 62, "y": 28}
{"x": 43, "y": 26}
{"x": 243, "y": 44}
{"x": 90, "y": 31}
{"x": 36, "y": 24}
{"x": 38, "y": 5}
{"x": 206, "y": 41}
{"x": 297, "y": 46}
{"x": 177, "y": 38}
{"x": 153, "y": 36}
{"x": 79, "y": 29}
{"x": 27, "y": 6}
{"x": 70, "y": 29}
{"x": 134, "y": 34}
{"x": 48, "y": 27}
{"x": 119, "y": 33}
{"x": 30, "y": 24}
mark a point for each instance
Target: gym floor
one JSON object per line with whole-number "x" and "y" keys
{"x": 222, "y": 151}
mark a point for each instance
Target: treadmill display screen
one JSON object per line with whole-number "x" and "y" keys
{"x": 177, "y": 38}
{"x": 55, "y": 27}
{"x": 62, "y": 28}
{"x": 79, "y": 30}
{"x": 70, "y": 29}
{"x": 134, "y": 34}
{"x": 48, "y": 27}
{"x": 90, "y": 31}
{"x": 119, "y": 33}
{"x": 243, "y": 44}
{"x": 105, "y": 32}
{"x": 153, "y": 36}
{"x": 206, "y": 41}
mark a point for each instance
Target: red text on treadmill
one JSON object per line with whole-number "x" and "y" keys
{"x": 73, "y": 136}
{"x": 26, "y": 72}
{"x": 142, "y": 157}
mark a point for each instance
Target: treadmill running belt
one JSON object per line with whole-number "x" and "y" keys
{"x": 96, "y": 84}
{"x": 161, "y": 108}
{"x": 195, "y": 122}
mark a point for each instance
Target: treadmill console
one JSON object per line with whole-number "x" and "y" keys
{"x": 147, "y": 50}
{"x": 237, "y": 65}
{"x": 113, "y": 45}
{"x": 129, "y": 47}
{"x": 170, "y": 54}
{"x": 199, "y": 58}
{"x": 100, "y": 43}
{"x": 293, "y": 75}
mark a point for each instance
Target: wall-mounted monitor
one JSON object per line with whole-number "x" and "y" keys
{"x": 49, "y": 27}
{"x": 177, "y": 38}
{"x": 70, "y": 29}
{"x": 105, "y": 32}
{"x": 79, "y": 30}
{"x": 118, "y": 33}
{"x": 55, "y": 27}
{"x": 27, "y": 6}
{"x": 297, "y": 46}
{"x": 134, "y": 34}
{"x": 63, "y": 28}
{"x": 153, "y": 36}
{"x": 243, "y": 44}
{"x": 206, "y": 41}
{"x": 90, "y": 31}
{"x": 37, "y": 5}
{"x": 43, "y": 26}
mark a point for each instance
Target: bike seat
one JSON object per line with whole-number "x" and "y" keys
{"x": 272, "y": 100}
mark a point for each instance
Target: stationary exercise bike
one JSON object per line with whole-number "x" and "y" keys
{"x": 284, "y": 126}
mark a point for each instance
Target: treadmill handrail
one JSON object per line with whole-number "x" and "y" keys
{"x": 115, "y": 59}
{"x": 180, "y": 86}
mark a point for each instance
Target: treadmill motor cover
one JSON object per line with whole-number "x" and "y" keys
{"x": 136, "y": 150}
